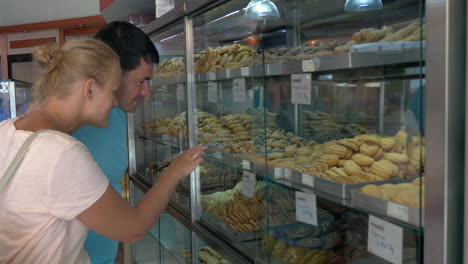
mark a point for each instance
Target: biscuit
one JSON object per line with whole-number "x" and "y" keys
{"x": 384, "y": 169}
{"x": 349, "y": 154}
{"x": 388, "y": 143}
{"x": 349, "y": 143}
{"x": 329, "y": 159}
{"x": 379, "y": 154}
{"x": 351, "y": 167}
{"x": 362, "y": 159}
{"x": 396, "y": 158}
{"x": 402, "y": 137}
{"x": 303, "y": 151}
{"x": 371, "y": 190}
{"x": 316, "y": 154}
{"x": 340, "y": 163}
{"x": 276, "y": 155}
{"x": 336, "y": 149}
{"x": 368, "y": 149}
{"x": 289, "y": 151}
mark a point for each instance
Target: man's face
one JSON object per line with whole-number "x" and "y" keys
{"x": 134, "y": 85}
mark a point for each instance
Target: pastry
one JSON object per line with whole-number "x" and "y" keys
{"x": 363, "y": 160}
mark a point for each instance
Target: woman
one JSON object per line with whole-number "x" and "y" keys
{"x": 58, "y": 191}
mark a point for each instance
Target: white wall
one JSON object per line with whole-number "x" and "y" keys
{"x": 16, "y": 12}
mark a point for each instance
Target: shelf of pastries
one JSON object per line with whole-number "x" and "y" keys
{"x": 386, "y": 45}
{"x": 403, "y": 201}
{"x": 339, "y": 166}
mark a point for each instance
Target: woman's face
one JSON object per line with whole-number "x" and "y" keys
{"x": 105, "y": 98}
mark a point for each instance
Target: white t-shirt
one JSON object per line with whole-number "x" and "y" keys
{"x": 56, "y": 181}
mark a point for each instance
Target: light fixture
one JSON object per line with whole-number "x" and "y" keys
{"x": 362, "y": 5}
{"x": 261, "y": 9}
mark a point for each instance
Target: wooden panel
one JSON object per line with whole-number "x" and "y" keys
{"x": 4, "y": 56}
{"x": 105, "y": 3}
{"x": 91, "y": 30}
{"x": 61, "y": 37}
{"x": 64, "y": 23}
{"x": 27, "y": 43}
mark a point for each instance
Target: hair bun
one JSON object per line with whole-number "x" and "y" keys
{"x": 48, "y": 55}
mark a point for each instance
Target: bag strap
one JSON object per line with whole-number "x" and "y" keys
{"x": 18, "y": 158}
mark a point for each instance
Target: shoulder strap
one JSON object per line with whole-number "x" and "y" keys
{"x": 18, "y": 158}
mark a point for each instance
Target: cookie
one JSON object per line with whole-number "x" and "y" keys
{"x": 351, "y": 167}
{"x": 349, "y": 143}
{"x": 330, "y": 160}
{"x": 384, "y": 169}
{"x": 396, "y": 158}
{"x": 368, "y": 149}
{"x": 336, "y": 149}
{"x": 363, "y": 160}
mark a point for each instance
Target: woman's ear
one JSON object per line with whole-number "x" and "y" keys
{"x": 89, "y": 88}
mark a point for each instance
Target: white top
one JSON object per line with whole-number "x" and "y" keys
{"x": 56, "y": 181}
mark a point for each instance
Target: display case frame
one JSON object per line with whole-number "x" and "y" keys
{"x": 444, "y": 132}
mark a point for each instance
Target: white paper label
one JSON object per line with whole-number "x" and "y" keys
{"x": 308, "y": 66}
{"x": 211, "y": 76}
{"x": 180, "y": 92}
{"x": 218, "y": 155}
{"x": 278, "y": 173}
{"x": 385, "y": 240}
{"x": 301, "y": 86}
{"x": 246, "y": 164}
{"x": 245, "y": 71}
{"x": 166, "y": 138}
{"x": 397, "y": 211}
{"x": 308, "y": 180}
{"x": 248, "y": 184}
{"x": 213, "y": 92}
{"x": 306, "y": 208}
{"x": 238, "y": 90}
{"x": 287, "y": 174}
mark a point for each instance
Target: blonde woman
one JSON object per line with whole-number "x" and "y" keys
{"x": 58, "y": 191}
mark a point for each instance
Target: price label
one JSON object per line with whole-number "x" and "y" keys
{"x": 308, "y": 180}
{"x": 212, "y": 92}
{"x": 238, "y": 90}
{"x": 397, "y": 211}
{"x": 248, "y": 184}
{"x": 245, "y": 71}
{"x": 385, "y": 240}
{"x": 287, "y": 174}
{"x": 301, "y": 86}
{"x": 180, "y": 92}
{"x": 308, "y": 66}
{"x": 211, "y": 76}
{"x": 306, "y": 208}
{"x": 218, "y": 155}
{"x": 246, "y": 164}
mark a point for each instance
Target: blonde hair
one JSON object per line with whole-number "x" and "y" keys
{"x": 76, "y": 60}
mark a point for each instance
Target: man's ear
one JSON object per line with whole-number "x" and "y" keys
{"x": 89, "y": 89}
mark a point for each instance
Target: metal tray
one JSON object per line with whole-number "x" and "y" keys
{"x": 228, "y": 231}
{"x": 400, "y": 212}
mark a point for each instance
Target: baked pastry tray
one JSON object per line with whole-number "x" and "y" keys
{"x": 323, "y": 185}
{"x": 229, "y": 232}
{"x": 400, "y": 212}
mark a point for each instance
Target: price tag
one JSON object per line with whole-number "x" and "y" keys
{"x": 385, "y": 240}
{"x": 248, "y": 184}
{"x": 310, "y": 65}
{"x": 301, "y": 86}
{"x": 308, "y": 180}
{"x": 246, "y": 164}
{"x": 211, "y": 76}
{"x": 245, "y": 71}
{"x": 238, "y": 90}
{"x": 212, "y": 92}
{"x": 306, "y": 208}
{"x": 287, "y": 174}
{"x": 218, "y": 155}
{"x": 180, "y": 92}
{"x": 397, "y": 211}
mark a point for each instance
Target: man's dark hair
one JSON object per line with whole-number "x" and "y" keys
{"x": 130, "y": 43}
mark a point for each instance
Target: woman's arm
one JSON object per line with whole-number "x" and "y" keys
{"x": 112, "y": 216}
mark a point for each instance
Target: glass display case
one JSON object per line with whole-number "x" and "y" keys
{"x": 315, "y": 119}
{"x": 14, "y": 98}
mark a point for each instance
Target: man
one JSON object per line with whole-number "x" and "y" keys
{"x": 109, "y": 146}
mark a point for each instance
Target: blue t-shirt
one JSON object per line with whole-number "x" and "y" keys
{"x": 108, "y": 146}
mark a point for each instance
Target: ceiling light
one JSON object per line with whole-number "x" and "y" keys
{"x": 362, "y": 5}
{"x": 261, "y": 9}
